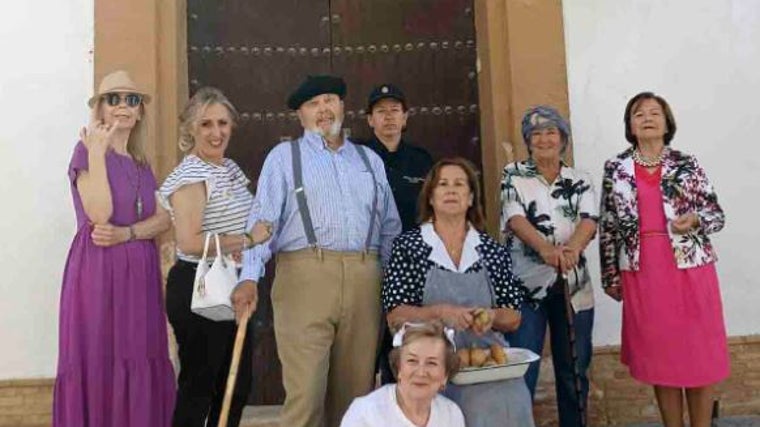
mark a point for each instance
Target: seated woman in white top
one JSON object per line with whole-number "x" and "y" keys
{"x": 423, "y": 359}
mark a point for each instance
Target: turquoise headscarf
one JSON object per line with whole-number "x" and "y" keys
{"x": 542, "y": 117}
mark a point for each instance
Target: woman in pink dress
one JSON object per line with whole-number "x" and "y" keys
{"x": 113, "y": 361}
{"x": 657, "y": 210}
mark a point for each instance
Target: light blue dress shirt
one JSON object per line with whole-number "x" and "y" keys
{"x": 339, "y": 194}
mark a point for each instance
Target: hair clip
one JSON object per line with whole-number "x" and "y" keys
{"x": 398, "y": 337}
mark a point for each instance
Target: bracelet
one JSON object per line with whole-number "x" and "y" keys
{"x": 251, "y": 240}
{"x": 247, "y": 242}
{"x": 132, "y": 235}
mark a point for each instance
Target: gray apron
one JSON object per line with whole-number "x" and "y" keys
{"x": 495, "y": 404}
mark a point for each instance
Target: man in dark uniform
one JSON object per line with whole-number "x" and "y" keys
{"x": 406, "y": 167}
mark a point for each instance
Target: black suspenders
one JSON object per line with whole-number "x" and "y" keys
{"x": 303, "y": 207}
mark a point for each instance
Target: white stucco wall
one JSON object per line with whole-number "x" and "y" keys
{"x": 45, "y": 80}
{"x": 703, "y": 56}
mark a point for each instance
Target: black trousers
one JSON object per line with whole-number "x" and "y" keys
{"x": 205, "y": 353}
{"x": 383, "y": 362}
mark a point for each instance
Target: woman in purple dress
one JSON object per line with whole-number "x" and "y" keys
{"x": 113, "y": 363}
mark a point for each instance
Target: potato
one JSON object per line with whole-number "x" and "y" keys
{"x": 478, "y": 357}
{"x": 464, "y": 357}
{"x": 482, "y": 319}
{"x": 498, "y": 354}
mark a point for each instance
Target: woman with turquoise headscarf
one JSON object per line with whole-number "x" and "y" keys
{"x": 548, "y": 217}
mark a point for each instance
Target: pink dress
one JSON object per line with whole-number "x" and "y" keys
{"x": 673, "y": 330}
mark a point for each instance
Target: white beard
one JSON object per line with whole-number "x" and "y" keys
{"x": 333, "y": 131}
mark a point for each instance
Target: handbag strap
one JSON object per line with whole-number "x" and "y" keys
{"x": 205, "y": 248}
{"x": 219, "y": 254}
{"x": 199, "y": 284}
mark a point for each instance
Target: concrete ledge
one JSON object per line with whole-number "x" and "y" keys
{"x": 261, "y": 416}
{"x": 615, "y": 399}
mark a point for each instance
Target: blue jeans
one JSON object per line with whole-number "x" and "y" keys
{"x": 531, "y": 334}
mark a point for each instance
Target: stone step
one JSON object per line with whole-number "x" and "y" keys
{"x": 738, "y": 421}
{"x": 261, "y": 416}
{"x": 268, "y": 416}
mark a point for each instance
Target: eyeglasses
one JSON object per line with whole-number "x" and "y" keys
{"x": 131, "y": 99}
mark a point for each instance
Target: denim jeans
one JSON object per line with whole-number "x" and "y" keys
{"x": 531, "y": 334}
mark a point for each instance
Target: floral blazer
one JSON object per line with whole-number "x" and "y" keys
{"x": 685, "y": 188}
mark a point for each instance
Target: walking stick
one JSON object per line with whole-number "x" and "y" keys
{"x": 570, "y": 313}
{"x": 237, "y": 349}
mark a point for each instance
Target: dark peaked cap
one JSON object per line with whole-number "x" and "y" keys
{"x": 384, "y": 91}
{"x": 316, "y": 85}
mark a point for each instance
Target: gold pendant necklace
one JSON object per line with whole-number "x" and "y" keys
{"x": 136, "y": 186}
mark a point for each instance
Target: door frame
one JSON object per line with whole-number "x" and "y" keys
{"x": 521, "y": 63}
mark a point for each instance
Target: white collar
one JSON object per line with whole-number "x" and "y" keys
{"x": 440, "y": 256}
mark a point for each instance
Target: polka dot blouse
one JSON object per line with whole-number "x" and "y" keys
{"x": 406, "y": 272}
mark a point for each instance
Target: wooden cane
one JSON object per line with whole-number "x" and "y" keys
{"x": 570, "y": 313}
{"x": 237, "y": 349}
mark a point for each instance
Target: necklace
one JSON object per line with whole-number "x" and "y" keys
{"x": 135, "y": 185}
{"x": 645, "y": 162}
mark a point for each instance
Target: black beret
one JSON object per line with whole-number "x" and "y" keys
{"x": 383, "y": 91}
{"x": 316, "y": 85}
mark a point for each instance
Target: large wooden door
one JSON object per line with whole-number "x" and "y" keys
{"x": 426, "y": 47}
{"x": 257, "y": 52}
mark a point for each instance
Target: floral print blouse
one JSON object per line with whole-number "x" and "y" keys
{"x": 554, "y": 210}
{"x": 413, "y": 256}
{"x": 685, "y": 189}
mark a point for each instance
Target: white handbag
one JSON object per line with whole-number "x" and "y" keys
{"x": 213, "y": 285}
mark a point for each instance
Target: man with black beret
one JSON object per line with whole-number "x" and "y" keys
{"x": 334, "y": 220}
{"x": 406, "y": 166}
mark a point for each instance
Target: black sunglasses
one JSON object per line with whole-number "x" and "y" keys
{"x": 131, "y": 99}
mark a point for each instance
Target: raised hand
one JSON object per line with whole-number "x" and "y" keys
{"x": 97, "y": 136}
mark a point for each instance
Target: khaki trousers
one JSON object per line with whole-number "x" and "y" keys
{"x": 326, "y": 318}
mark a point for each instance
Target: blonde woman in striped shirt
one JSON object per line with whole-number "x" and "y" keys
{"x": 206, "y": 193}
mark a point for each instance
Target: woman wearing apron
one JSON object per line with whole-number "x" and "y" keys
{"x": 445, "y": 270}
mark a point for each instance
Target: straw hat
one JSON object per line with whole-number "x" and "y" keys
{"x": 117, "y": 81}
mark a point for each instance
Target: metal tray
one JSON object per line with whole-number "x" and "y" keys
{"x": 518, "y": 360}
